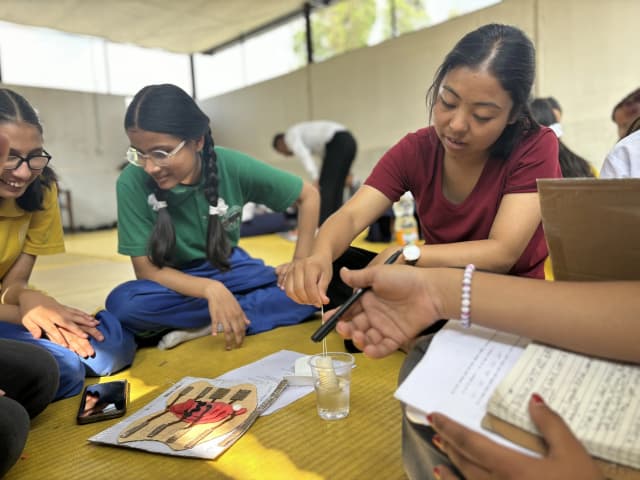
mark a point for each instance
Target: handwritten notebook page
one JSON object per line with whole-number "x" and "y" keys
{"x": 458, "y": 374}
{"x": 599, "y": 399}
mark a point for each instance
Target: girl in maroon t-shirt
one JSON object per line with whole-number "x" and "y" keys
{"x": 472, "y": 173}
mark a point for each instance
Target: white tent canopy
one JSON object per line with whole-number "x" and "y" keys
{"x": 180, "y": 26}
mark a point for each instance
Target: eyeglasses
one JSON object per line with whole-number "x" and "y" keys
{"x": 35, "y": 161}
{"x": 160, "y": 158}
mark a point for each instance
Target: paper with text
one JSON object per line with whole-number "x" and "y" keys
{"x": 599, "y": 399}
{"x": 458, "y": 374}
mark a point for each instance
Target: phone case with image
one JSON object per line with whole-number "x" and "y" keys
{"x": 103, "y": 401}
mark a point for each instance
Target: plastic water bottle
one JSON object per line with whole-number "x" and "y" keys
{"x": 405, "y": 225}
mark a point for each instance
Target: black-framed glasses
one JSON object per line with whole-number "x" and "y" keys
{"x": 35, "y": 161}
{"x": 160, "y": 158}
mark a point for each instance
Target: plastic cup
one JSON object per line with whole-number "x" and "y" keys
{"x": 332, "y": 382}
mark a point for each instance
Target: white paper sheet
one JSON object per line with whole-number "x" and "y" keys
{"x": 458, "y": 374}
{"x": 273, "y": 367}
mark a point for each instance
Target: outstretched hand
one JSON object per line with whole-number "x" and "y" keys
{"x": 63, "y": 325}
{"x": 398, "y": 306}
{"x": 227, "y": 315}
{"x": 307, "y": 280}
{"x": 477, "y": 457}
{"x": 281, "y": 273}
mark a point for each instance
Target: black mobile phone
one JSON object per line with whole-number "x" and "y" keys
{"x": 103, "y": 401}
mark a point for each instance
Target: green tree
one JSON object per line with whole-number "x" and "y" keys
{"x": 348, "y": 24}
{"x": 404, "y": 16}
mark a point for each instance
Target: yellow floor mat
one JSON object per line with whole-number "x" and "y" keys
{"x": 292, "y": 443}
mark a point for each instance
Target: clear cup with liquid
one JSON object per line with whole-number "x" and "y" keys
{"x": 332, "y": 382}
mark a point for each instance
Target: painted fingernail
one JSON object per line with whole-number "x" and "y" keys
{"x": 430, "y": 419}
{"x": 537, "y": 399}
{"x": 436, "y": 473}
{"x": 437, "y": 441}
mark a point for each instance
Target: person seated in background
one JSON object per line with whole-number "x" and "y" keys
{"x": 623, "y": 161}
{"x": 593, "y": 318}
{"x": 31, "y": 226}
{"x": 571, "y": 164}
{"x": 625, "y": 112}
{"x": 557, "y": 109}
{"x": 179, "y": 213}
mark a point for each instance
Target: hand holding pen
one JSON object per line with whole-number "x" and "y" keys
{"x": 411, "y": 252}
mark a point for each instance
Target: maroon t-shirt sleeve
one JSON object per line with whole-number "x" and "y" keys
{"x": 396, "y": 171}
{"x": 536, "y": 157}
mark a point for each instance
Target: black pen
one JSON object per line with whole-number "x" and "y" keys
{"x": 330, "y": 324}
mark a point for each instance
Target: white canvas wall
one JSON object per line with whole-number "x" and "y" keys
{"x": 585, "y": 56}
{"x": 585, "y": 59}
{"x": 588, "y": 59}
{"x": 83, "y": 132}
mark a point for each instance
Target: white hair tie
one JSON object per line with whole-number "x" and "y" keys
{"x": 155, "y": 203}
{"x": 557, "y": 129}
{"x": 219, "y": 209}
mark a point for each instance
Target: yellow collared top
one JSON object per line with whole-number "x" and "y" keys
{"x": 35, "y": 233}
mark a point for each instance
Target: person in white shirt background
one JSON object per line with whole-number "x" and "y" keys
{"x": 623, "y": 161}
{"x": 625, "y": 112}
{"x": 330, "y": 141}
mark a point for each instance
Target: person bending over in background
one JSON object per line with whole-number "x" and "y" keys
{"x": 337, "y": 147}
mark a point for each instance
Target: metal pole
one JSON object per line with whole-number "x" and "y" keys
{"x": 309, "y": 33}
{"x": 193, "y": 75}
{"x": 394, "y": 20}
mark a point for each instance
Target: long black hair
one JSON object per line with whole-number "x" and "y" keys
{"x": 634, "y": 127}
{"x": 14, "y": 108}
{"x": 168, "y": 109}
{"x": 571, "y": 164}
{"x": 508, "y": 54}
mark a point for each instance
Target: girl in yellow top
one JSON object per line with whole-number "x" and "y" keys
{"x": 30, "y": 225}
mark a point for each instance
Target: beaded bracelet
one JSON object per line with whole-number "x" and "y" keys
{"x": 465, "y": 302}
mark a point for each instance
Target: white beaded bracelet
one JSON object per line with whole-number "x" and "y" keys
{"x": 465, "y": 302}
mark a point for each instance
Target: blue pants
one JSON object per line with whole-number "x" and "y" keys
{"x": 114, "y": 353}
{"x": 144, "y": 306}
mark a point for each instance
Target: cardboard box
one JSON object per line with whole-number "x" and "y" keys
{"x": 592, "y": 227}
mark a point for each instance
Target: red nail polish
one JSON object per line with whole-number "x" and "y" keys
{"x": 436, "y": 473}
{"x": 537, "y": 399}
{"x": 437, "y": 441}
{"x": 430, "y": 419}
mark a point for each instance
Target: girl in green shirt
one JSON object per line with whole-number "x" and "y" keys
{"x": 179, "y": 207}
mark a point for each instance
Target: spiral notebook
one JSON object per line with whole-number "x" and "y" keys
{"x": 599, "y": 399}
